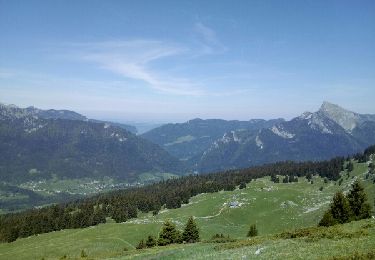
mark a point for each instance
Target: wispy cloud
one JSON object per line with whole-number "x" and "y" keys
{"x": 134, "y": 59}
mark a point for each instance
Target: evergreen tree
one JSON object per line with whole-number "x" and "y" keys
{"x": 358, "y": 202}
{"x": 151, "y": 241}
{"x": 340, "y": 208}
{"x": 253, "y": 231}
{"x": 169, "y": 234}
{"x": 191, "y": 232}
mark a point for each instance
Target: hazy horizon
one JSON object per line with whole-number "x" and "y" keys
{"x": 171, "y": 61}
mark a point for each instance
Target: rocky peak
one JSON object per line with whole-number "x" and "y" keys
{"x": 345, "y": 118}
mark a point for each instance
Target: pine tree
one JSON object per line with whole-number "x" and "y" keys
{"x": 191, "y": 232}
{"x": 253, "y": 231}
{"x": 169, "y": 234}
{"x": 340, "y": 208}
{"x": 358, "y": 202}
{"x": 150, "y": 242}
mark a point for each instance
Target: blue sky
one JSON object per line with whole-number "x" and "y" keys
{"x": 177, "y": 60}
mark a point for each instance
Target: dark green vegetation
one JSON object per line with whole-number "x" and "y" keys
{"x": 331, "y": 131}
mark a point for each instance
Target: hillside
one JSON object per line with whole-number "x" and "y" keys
{"x": 296, "y": 205}
{"x": 35, "y": 148}
{"x": 331, "y": 131}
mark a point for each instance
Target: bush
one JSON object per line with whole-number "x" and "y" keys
{"x": 220, "y": 238}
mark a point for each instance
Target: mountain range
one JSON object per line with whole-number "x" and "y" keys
{"x": 37, "y": 144}
{"x": 70, "y": 115}
{"x": 215, "y": 145}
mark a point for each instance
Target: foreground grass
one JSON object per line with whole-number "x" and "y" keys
{"x": 273, "y": 207}
{"x": 339, "y": 242}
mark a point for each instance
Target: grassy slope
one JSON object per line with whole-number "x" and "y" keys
{"x": 274, "y": 207}
{"x": 349, "y": 239}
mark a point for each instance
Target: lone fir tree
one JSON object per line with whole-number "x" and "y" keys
{"x": 191, "y": 231}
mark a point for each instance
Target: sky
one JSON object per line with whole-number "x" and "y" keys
{"x": 171, "y": 61}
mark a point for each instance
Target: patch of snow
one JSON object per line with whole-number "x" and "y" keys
{"x": 306, "y": 115}
{"x": 281, "y": 132}
{"x": 235, "y": 137}
{"x": 226, "y": 138}
{"x": 106, "y": 125}
{"x": 258, "y": 142}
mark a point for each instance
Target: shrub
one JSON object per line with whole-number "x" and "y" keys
{"x": 220, "y": 238}
{"x": 141, "y": 244}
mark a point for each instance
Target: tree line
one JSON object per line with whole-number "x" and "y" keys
{"x": 125, "y": 204}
